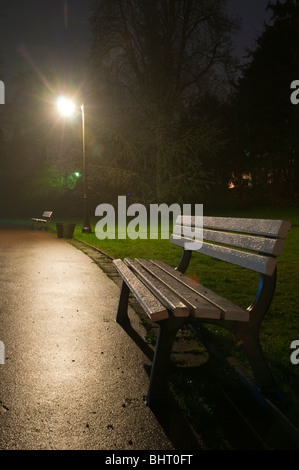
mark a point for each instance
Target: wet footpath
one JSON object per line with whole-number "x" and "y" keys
{"x": 72, "y": 379}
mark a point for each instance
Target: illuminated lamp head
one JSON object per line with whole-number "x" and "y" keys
{"x": 65, "y": 106}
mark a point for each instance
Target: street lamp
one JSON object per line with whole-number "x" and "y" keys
{"x": 67, "y": 108}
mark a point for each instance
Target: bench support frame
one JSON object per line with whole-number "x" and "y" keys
{"x": 158, "y": 385}
{"x": 248, "y": 333}
{"x": 168, "y": 328}
{"x": 122, "y": 317}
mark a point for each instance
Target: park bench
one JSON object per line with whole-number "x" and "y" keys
{"x": 172, "y": 300}
{"x": 43, "y": 221}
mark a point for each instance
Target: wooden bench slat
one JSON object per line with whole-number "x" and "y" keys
{"x": 47, "y": 214}
{"x": 271, "y": 246}
{"x": 229, "y": 309}
{"x": 199, "y": 306}
{"x": 265, "y": 227}
{"x": 154, "y": 309}
{"x": 170, "y": 300}
{"x": 259, "y": 263}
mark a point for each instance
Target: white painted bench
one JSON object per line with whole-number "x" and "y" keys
{"x": 171, "y": 299}
{"x": 43, "y": 221}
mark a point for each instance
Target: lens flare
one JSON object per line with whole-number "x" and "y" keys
{"x": 65, "y": 106}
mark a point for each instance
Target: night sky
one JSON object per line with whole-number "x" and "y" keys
{"x": 54, "y": 34}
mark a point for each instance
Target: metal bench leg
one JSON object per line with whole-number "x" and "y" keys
{"x": 157, "y": 391}
{"x": 250, "y": 335}
{"x": 260, "y": 367}
{"x": 248, "y": 339}
{"x": 122, "y": 311}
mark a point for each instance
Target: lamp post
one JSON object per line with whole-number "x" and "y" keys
{"x": 86, "y": 225}
{"x": 67, "y": 108}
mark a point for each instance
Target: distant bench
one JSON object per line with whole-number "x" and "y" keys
{"x": 172, "y": 300}
{"x": 43, "y": 221}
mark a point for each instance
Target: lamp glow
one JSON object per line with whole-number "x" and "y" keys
{"x": 65, "y": 106}
{"x": 68, "y": 108}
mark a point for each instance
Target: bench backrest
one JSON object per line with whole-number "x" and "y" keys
{"x": 47, "y": 214}
{"x": 251, "y": 243}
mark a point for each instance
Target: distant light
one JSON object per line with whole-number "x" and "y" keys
{"x": 72, "y": 179}
{"x": 65, "y": 106}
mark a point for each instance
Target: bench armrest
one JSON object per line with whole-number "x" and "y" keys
{"x": 184, "y": 261}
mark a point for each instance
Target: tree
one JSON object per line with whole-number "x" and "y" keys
{"x": 150, "y": 63}
{"x": 161, "y": 51}
{"x": 267, "y": 121}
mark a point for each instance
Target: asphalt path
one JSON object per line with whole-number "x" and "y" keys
{"x": 72, "y": 378}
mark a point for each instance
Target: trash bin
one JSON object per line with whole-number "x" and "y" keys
{"x": 68, "y": 230}
{"x": 59, "y": 230}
